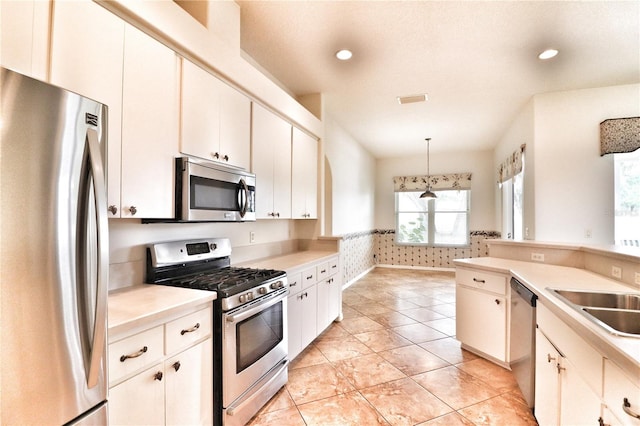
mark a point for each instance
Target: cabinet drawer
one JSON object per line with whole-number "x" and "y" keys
{"x": 183, "y": 332}
{"x": 482, "y": 280}
{"x": 333, "y": 266}
{"x": 308, "y": 277}
{"x": 295, "y": 282}
{"x": 322, "y": 271}
{"x": 134, "y": 353}
{"x": 617, "y": 387}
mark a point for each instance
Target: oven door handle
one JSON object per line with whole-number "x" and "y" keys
{"x": 278, "y": 297}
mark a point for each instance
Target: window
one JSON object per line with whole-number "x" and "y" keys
{"x": 443, "y": 221}
{"x": 627, "y": 198}
{"x": 512, "y": 208}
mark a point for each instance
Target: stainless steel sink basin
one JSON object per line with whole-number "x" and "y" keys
{"x": 601, "y": 299}
{"x": 617, "y": 313}
{"x": 621, "y": 321}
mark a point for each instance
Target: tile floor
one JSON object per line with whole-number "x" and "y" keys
{"x": 394, "y": 360}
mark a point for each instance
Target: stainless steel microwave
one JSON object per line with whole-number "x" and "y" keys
{"x": 211, "y": 192}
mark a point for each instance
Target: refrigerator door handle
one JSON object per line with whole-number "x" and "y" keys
{"x": 100, "y": 324}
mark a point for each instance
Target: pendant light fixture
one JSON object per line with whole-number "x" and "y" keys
{"x": 428, "y": 193}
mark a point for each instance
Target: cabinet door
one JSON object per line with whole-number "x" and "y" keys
{"x": 24, "y": 36}
{"x": 481, "y": 321}
{"x": 200, "y": 130}
{"x": 84, "y": 61}
{"x": 149, "y": 127}
{"x": 309, "y": 315}
{"x": 271, "y": 163}
{"x": 235, "y": 127}
{"x": 304, "y": 176}
{"x": 139, "y": 400}
{"x": 294, "y": 323}
{"x": 189, "y": 386}
{"x": 579, "y": 405}
{"x": 547, "y": 389}
{"x": 328, "y": 302}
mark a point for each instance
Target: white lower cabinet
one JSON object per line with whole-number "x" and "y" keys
{"x": 621, "y": 396}
{"x": 482, "y": 304}
{"x": 163, "y": 375}
{"x": 547, "y": 388}
{"x": 315, "y": 297}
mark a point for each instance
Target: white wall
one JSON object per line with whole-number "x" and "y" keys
{"x": 479, "y": 163}
{"x": 573, "y": 184}
{"x": 353, "y": 172}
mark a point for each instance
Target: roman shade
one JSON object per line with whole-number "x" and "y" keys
{"x": 511, "y": 166}
{"x": 619, "y": 135}
{"x": 437, "y": 182}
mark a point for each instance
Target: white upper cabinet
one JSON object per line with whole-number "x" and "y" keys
{"x": 304, "y": 176}
{"x": 216, "y": 119}
{"x": 84, "y": 61}
{"x": 150, "y": 111}
{"x": 271, "y": 163}
{"x": 24, "y": 37}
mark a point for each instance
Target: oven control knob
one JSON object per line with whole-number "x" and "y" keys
{"x": 277, "y": 285}
{"x": 262, "y": 290}
{"x": 250, "y": 295}
{"x": 243, "y": 298}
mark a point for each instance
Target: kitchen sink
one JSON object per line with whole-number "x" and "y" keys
{"x": 624, "y": 322}
{"x": 617, "y": 313}
{"x": 601, "y": 299}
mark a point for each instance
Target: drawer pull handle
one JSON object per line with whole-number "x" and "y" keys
{"x": 293, "y": 284}
{"x": 550, "y": 358}
{"x": 158, "y": 376}
{"x": 478, "y": 281}
{"x": 309, "y": 277}
{"x": 323, "y": 271}
{"x": 123, "y": 358}
{"x": 176, "y": 365}
{"x": 190, "y": 330}
{"x": 334, "y": 266}
{"x": 626, "y": 406}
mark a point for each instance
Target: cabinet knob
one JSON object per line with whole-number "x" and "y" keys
{"x": 216, "y": 155}
{"x": 225, "y": 158}
{"x": 626, "y": 406}
{"x": 133, "y": 210}
{"x": 176, "y": 365}
{"x": 497, "y": 301}
{"x": 112, "y": 209}
{"x": 601, "y": 422}
{"x": 550, "y": 358}
{"x": 158, "y": 376}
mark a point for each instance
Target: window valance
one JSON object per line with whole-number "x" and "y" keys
{"x": 619, "y": 135}
{"x": 438, "y": 182}
{"x": 511, "y": 166}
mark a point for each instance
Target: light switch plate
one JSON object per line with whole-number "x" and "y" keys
{"x": 616, "y": 272}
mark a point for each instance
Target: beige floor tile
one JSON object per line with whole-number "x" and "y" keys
{"x": 316, "y": 382}
{"x": 422, "y": 314}
{"x": 451, "y": 419}
{"x": 412, "y": 360}
{"x": 455, "y": 387}
{"x": 310, "y": 356}
{"x": 449, "y": 349}
{"x": 343, "y": 410}
{"x": 360, "y": 325}
{"x": 334, "y": 332}
{"x": 418, "y": 333}
{"x": 392, "y": 319}
{"x": 371, "y": 308}
{"x": 501, "y": 410}
{"x": 499, "y": 378}
{"x": 398, "y": 304}
{"x": 446, "y": 309}
{"x": 353, "y": 298}
{"x": 425, "y": 301}
{"x": 280, "y": 401}
{"x": 349, "y": 312}
{"x": 368, "y": 370}
{"x": 404, "y": 402}
{"x": 287, "y": 417}
{"x": 445, "y": 325}
{"x": 382, "y": 340}
{"x": 339, "y": 349}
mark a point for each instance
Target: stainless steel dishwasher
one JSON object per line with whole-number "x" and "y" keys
{"x": 523, "y": 346}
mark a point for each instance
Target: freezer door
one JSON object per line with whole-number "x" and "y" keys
{"x": 54, "y": 253}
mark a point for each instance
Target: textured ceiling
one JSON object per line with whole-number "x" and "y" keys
{"x": 476, "y": 60}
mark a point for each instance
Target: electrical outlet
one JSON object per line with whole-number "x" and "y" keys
{"x": 526, "y": 232}
{"x": 587, "y": 233}
{"x": 538, "y": 257}
{"x": 637, "y": 279}
{"x": 616, "y": 272}
{"x": 252, "y": 237}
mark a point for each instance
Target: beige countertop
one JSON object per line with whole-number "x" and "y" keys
{"x": 136, "y": 308}
{"x": 624, "y": 351}
{"x": 290, "y": 262}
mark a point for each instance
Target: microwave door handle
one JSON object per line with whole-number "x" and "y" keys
{"x": 243, "y": 198}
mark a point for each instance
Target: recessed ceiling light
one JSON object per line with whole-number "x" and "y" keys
{"x": 411, "y": 99}
{"x": 344, "y": 54}
{"x": 548, "y": 54}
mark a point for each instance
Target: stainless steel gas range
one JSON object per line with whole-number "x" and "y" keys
{"x": 250, "y": 321}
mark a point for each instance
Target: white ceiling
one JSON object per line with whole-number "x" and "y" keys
{"x": 477, "y": 60}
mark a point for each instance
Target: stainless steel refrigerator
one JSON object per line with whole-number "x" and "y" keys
{"x": 54, "y": 255}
